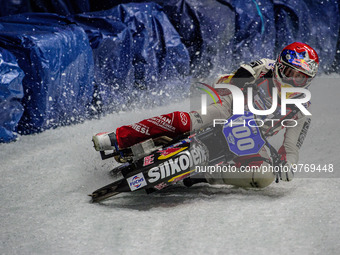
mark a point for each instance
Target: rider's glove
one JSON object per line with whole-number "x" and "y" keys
{"x": 285, "y": 172}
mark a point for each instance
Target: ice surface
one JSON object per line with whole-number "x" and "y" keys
{"x": 45, "y": 179}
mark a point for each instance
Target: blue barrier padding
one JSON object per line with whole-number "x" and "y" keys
{"x": 158, "y": 53}
{"x": 255, "y": 30}
{"x": 10, "y": 7}
{"x": 61, "y": 7}
{"x": 206, "y": 28}
{"x": 111, "y": 41}
{"x": 58, "y": 64}
{"x": 136, "y": 49}
{"x": 11, "y": 92}
{"x": 260, "y": 28}
{"x": 148, "y": 50}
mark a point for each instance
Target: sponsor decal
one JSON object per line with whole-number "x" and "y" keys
{"x": 136, "y": 182}
{"x": 197, "y": 117}
{"x": 169, "y": 152}
{"x": 302, "y": 63}
{"x": 182, "y": 163}
{"x": 141, "y": 128}
{"x": 162, "y": 122}
{"x": 231, "y": 139}
{"x": 165, "y": 119}
{"x": 148, "y": 160}
{"x": 254, "y": 129}
{"x": 161, "y": 185}
{"x": 271, "y": 64}
{"x": 303, "y": 133}
{"x": 256, "y": 63}
{"x": 181, "y": 176}
{"x": 184, "y": 118}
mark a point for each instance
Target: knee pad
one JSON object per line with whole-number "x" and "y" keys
{"x": 261, "y": 179}
{"x": 249, "y": 178}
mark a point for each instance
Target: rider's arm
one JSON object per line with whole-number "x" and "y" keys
{"x": 293, "y": 140}
{"x": 247, "y": 73}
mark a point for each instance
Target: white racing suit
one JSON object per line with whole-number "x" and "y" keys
{"x": 259, "y": 73}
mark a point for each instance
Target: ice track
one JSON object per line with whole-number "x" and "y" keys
{"x": 45, "y": 209}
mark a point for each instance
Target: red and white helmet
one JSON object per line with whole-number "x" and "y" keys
{"x": 296, "y": 66}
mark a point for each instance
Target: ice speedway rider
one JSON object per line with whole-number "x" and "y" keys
{"x": 295, "y": 66}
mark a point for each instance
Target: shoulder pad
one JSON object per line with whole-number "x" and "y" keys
{"x": 269, "y": 63}
{"x": 256, "y": 63}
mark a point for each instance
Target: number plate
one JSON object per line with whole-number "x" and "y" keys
{"x": 243, "y": 139}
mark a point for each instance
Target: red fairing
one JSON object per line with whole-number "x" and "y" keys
{"x": 172, "y": 125}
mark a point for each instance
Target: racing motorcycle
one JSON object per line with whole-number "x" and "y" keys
{"x": 158, "y": 163}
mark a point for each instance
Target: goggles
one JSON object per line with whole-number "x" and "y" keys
{"x": 294, "y": 77}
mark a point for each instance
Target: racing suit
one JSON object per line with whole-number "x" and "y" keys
{"x": 258, "y": 74}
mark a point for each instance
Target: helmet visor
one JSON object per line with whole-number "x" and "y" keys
{"x": 294, "y": 77}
